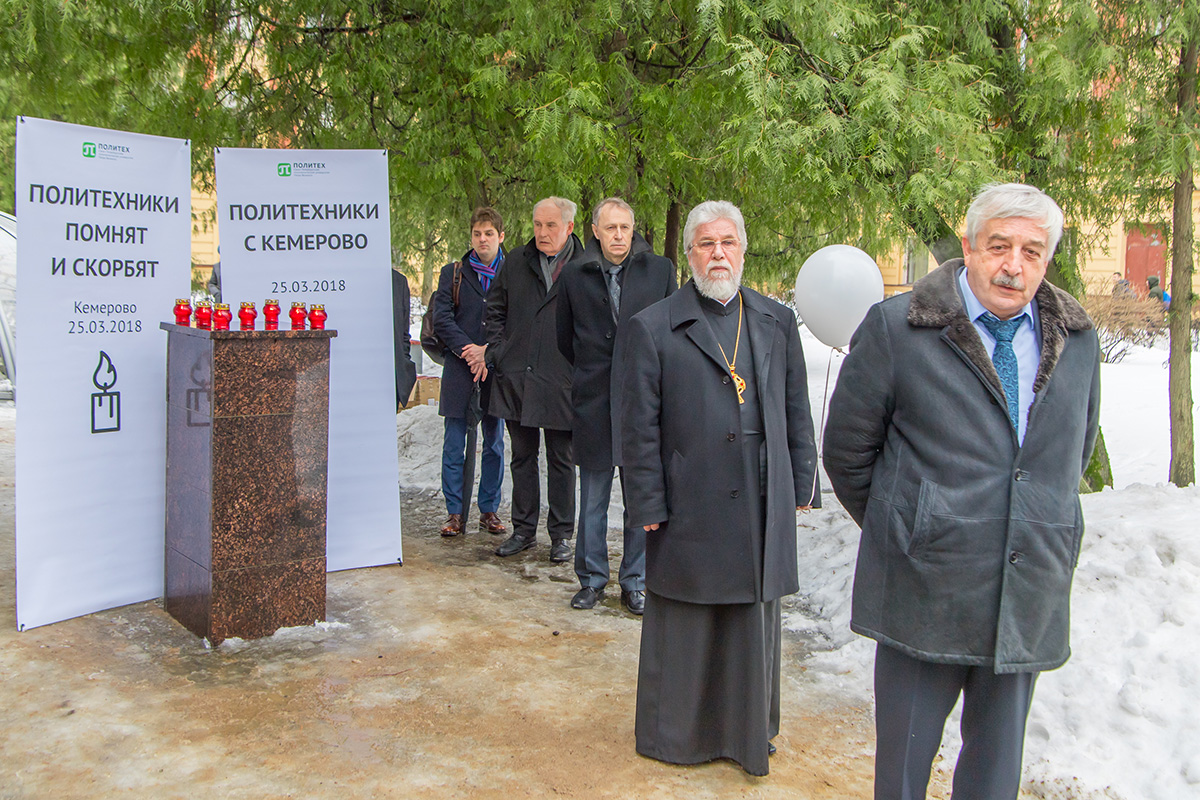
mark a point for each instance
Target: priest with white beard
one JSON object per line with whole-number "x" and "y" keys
{"x": 719, "y": 454}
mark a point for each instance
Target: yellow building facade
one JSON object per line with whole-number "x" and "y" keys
{"x": 204, "y": 234}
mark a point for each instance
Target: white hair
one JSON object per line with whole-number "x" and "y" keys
{"x": 1008, "y": 200}
{"x": 711, "y": 211}
{"x": 564, "y": 206}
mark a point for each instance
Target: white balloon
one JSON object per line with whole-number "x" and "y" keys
{"x": 834, "y": 289}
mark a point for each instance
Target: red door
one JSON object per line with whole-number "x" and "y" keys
{"x": 1145, "y": 255}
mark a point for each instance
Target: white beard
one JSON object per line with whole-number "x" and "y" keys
{"x": 719, "y": 289}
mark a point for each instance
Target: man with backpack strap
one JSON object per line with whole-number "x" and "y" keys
{"x": 458, "y": 307}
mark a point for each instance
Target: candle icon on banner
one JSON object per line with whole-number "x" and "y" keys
{"x": 106, "y": 404}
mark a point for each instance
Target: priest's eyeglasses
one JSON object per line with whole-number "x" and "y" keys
{"x": 707, "y": 246}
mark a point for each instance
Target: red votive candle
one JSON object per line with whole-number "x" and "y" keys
{"x": 298, "y": 316}
{"x": 204, "y": 313}
{"x": 183, "y": 312}
{"x": 221, "y": 317}
{"x": 246, "y": 316}
{"x": 271, "y": 315}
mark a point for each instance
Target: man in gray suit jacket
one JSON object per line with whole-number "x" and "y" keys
{"x": 962, "y": 421}
{"x": 717, "y": 444}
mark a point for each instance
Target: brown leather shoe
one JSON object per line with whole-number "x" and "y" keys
{"x": 453, "y": 526}
{"x": 490, "y": 521}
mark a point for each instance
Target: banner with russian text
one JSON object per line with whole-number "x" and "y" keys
{"x": 312, "y": 226}
{"x": 104, "y": 250}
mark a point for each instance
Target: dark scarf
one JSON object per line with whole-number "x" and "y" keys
{"x": 486, "y": 271}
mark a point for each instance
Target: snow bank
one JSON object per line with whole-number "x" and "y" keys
{"x": 1122, "y": 713}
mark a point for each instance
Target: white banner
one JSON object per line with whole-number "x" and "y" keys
{"x": 312, "y": 226}
{"x": 104, "y": 250}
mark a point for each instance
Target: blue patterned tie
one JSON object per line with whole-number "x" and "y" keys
{"x": 1004, "y": 358}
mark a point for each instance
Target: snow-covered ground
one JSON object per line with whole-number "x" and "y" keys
{"x": 1120, "y": 719}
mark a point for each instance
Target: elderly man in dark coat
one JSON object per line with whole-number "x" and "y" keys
{"x": 717, "y": 445}
{"x": 617, "y": 277}
{"x": 532, "y": 388}
{"x": 962, "y": 421}
{"x": 458, "y": 320}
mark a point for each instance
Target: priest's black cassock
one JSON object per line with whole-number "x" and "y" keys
{"x": 723, "y": 479}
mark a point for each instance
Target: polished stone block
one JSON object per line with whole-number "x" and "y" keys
{"x": 257, "y": 601}
{"x": 247, "y": 444}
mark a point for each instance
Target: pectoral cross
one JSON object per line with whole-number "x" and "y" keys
{"x": 738, "y": 384}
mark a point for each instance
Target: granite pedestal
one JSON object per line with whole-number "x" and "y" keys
{"x": 247, "y": 454}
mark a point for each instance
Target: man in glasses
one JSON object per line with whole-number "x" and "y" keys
{"x": 718, "y": 450}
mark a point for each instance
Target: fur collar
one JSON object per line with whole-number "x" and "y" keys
{"x": 936, "y": 304}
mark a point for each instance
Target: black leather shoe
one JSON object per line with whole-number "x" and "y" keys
{"x": 560, "y": 551}
{"x": 635, "y": 601}
{"x": 770, "y": 749}
{"x": 515, "y": 544}
{"x": 587, "y": 597}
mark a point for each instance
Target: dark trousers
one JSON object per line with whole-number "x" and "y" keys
{"x": 591, "y": 537}
{"x": 913, "y": 699}
{"x": 526, "y": 488}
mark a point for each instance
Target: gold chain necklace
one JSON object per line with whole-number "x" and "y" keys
{"x": 738, "y": 382}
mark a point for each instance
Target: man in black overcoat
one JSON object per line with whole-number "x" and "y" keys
{"x": 406, "y": 370}
{"x": 532, "y": 380}
{"x": 962, "y": 421}
{"x": 465, "y": 379}
{"x": 617, "y": 277}
{"x": 718, "y": 451}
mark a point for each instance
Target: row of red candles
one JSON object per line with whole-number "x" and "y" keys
{"x": 218, "y": 317}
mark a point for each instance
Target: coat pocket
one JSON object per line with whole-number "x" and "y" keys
{"x": 919, "y": 534}
{"x": 674, "y": 466}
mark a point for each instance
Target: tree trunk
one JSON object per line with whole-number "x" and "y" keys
{"x": 939, "y": 237}
{"x": 479, "y": 195}
{"x": 945, "y": 248}
{"x": 583, "y": 215}
{"x": 428, "y": 269}
{"x": 1179, "y": 316}
{"x": 671, "y": 232}
{"x": 1099, "y": 470}
{"x": 1063, "y": 272}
